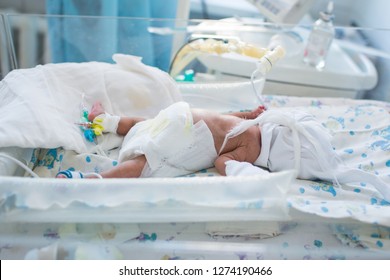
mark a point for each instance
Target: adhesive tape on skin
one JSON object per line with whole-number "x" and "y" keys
{"x": 108, "y": 122}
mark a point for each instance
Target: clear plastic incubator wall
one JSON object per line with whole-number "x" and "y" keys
{"x": 215, "y": 65}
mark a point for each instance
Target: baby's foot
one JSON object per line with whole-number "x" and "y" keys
{"x": 96, "y": 110}
{"x": 70, "y": 174}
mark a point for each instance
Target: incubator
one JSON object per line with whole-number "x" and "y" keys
{"x": 202, "y": 215}
{"x": 348, "y": 73}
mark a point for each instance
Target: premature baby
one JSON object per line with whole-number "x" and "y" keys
{"x": 181, "y": 140}
{"x": 178, "y": 141}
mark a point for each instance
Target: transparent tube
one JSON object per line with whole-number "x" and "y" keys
{"x": 233, "y": 95}
{"x": 216, "y": 45}
{"x": 222, "y": 96}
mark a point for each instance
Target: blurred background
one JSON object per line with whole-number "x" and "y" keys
{"x": 367, "y": 25}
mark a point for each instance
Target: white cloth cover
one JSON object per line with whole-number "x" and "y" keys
{"x": 40, "y": 106}
{"x": 278, "y": 152}
{"x": 172, "y": 144}
{"x": 295, "y": 140}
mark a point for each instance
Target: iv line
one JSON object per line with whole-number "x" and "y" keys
{"x": 21, "y": 164}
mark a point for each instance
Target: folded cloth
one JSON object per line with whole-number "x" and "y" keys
{"x": 172, "y": 144}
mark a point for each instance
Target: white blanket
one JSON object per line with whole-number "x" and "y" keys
{"x": 40, "y": 106}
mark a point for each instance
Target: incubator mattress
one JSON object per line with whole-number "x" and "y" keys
{"x": 276, "y": 217}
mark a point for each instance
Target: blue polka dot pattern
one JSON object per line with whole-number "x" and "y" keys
{"x": 349, "y": 151}
{"x": 379, "y": 243}
{"x": 318, "y": 243}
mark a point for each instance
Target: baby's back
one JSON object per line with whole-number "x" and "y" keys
{"x": 220, "y": 125}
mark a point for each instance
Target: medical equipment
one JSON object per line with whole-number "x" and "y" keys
{"x": 199, "y": 44}
{"x": 204, "y": 44}
{"x": 320, "y": 39}
{"x": 283, "y": 11}
{"x": 348, "y": 72}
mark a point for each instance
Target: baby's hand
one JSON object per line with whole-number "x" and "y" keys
{"x": 96, "y": 110}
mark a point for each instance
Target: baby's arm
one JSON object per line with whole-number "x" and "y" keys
{"x": 123, "y": 125}
{"x": 126, "y": 123}
{"x": 220, "y": 162}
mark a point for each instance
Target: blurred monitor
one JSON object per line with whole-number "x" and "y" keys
{"x": 283, "y": 11}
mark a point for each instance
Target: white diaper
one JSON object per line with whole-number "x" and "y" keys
{"x": 313, "y": 157}
{"x": 172, "y": 144}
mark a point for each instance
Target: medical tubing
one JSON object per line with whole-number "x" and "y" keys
{"x": 188, "y": 48}
{"x": 264, "y": 65}
{"x": 33, "y": 174}
{"x": 258, "y": 94}
{"x": 213, "y": 44}
{"x": 21, "y": 164}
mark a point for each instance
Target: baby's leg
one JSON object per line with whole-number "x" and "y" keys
{"x": 249, "y": 115}
{"x": 128, "y": 169}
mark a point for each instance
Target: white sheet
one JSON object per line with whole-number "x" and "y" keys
{"x": 39, "y": 106}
